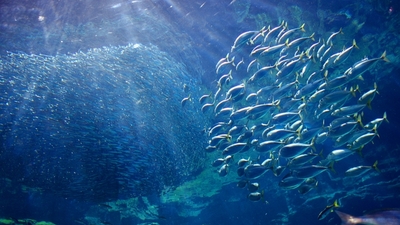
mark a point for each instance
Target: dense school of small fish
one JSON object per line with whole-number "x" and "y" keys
{"x": 293, "y": 101}
{"x": 92, "y": 125}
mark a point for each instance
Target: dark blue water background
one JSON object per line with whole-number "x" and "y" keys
{"x": 84, "y": 128}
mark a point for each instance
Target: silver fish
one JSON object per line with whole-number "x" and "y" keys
{"x": 360, "y": 67}
{"x": 293, "y": 149}
{"x": 367, "y": 97}
{"x": 360, "y": 170}
{"x": 254, "y": 171}
{"x": 309, "y": 171}
{"x": 183, "y": 102}
{"x": 376, "y": 122}
{"x": 255, "y": 196}
{"x": 223, "y": 171}
{"x": 344, "y": 55}
{"x": 348, "y": 110}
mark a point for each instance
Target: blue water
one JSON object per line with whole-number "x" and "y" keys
{"x": 93, "y": 130}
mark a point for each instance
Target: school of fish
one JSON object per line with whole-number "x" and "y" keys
{"x": 288, "y": 104}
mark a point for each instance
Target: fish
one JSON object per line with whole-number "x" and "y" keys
{"x": 241, "y": 62}
{"x": 272, "y": 49}
{"x": 237, "y": 129}
{"x": 224, "y": 64}
{"x": 362, "y": 140}
{"x": 268, "y": 146}
{"x": 245, "y": 136}
{"x": 330, "y": 62}
{"x": 256, "y": 196}
{"x": 226, "y": 58}
{"x": 289, "y": 182}
{"x": 240, "y": 171}
{"x": 245, "y": 38}
{"x": 223, "y": 80}
{"x": 241, "y": 183}
{"x": 336, "y": 82}
{"x": 218, "y": 162}
{"x": 307, "y": 186}
{"x": 261, "y": 109}
{"x": 254, "y": 171}
{"x": 290, "y": 32}
{"x": 376, "y": 122}
{"x": 252, "y": 98}
{"x": 183, "y": 102}
{"x": 318, "y": 95}
{"x": 328, "y": 209}
{"x": 302, "y": 159}
{"x": 288, "y": 68}
{"x": 339, "y": 154}
{"x": 253, "y": 187}
{"x": 221, "y": 105}
{"x": 344, "y": 55}
{"x": 223, "y": 113}
{"x": 321, "y": 49}
{"x": 206, "y": 106}
{"x": 329, "y": 41}
{"x": 203, "y": 98}
{"x": 273, "y": 31}
{"x": 343, "y": 129}
{"x": 228, "y": 159}
{"x": 322, "y": 58}
{"x": 236, "y": 91}
{"x": 216, "y": 140}
{"x": 360, "y": 170}
{"x": 368, "y": 96}
{"x": 334, "y": 97}
{"x": 223, "y": 171}
{"x": 220, "y": 127}
{"x": 235, "y": 148}
{"x": 310, "y": 171}
{"x": 261, "y": 73}
{"x": 309, "y": 88}
{"x": 348, "y": 110}
{"x": 299, "y": 41}
{"x": 243, "y": 162}
{"x": 361, "y": 66}
{"x": 285, "y": 117}
{"x": 280, "y": 134}
{"x": 289, "y": 98}
{"x": 380, "y": 217}
{"x": 293, "y": 149}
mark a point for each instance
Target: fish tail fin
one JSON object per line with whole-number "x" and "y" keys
{"x": 383, "y": 57}
{"x": 369, "y": 105}
{"x": 312, "y": 145}
{"x": 287, "y": 42}
{"x": 385, "y": 117}
{"x": 359, "y": 121}
{"x": 355, "y": 44}
{"x": 376, "y": 88}
{"x": 347, "y": 219}
{"x": 359, "y": 151}
{"x": 312, "y": 36}
{"x": 326, "y": 75}
{"x": 375, "y": 166}
{"x": 375, "y": 130}
{"x": 336, "y": 204}
{"x": 321, "y": 153}
{"x": 331, "y": 167}
{"x": 302, "y": 27}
